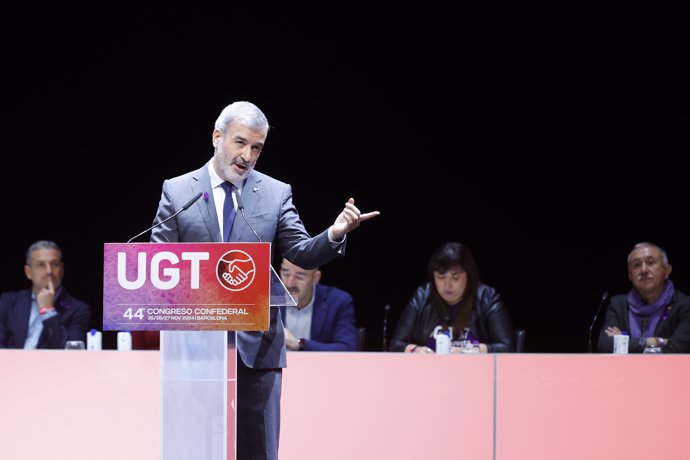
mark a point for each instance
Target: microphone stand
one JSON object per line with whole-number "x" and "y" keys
{"x": 604, "y": 297}
{"x": 186, "y": 205}
{"x": 384, "y": 346}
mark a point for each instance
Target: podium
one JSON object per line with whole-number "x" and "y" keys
{"x": 225, "y": 288}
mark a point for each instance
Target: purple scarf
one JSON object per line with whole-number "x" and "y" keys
{"x": 638, "y": 310}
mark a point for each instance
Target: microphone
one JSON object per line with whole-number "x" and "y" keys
{"x": 240, "y": 206}
{"x": 386, "y": 309}
{"x": 604, "y": 298}
{"x": 187, "y": 205}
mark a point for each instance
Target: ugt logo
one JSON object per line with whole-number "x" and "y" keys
{"x": 235, "y": 270}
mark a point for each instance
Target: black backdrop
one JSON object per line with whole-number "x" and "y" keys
{"x": 548, "y": 139}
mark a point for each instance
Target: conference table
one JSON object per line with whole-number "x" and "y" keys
{"x": 367, "y": 405}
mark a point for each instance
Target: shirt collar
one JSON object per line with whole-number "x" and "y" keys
{"x": 216, "y": 180}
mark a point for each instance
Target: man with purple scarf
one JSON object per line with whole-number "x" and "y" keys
{"x": 654, "y": 313}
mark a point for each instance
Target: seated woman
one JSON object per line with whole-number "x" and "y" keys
{"x": 455, "y": 299}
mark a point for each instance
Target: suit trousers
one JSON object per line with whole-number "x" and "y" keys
{"x": 258, "y": 412}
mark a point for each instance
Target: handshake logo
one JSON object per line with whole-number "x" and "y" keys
{"x": 235, "y": 270}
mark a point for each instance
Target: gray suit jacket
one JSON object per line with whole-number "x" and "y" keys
{"x": 268, "y": 208}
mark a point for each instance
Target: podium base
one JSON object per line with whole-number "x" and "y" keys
{"x": 198, "y": 389}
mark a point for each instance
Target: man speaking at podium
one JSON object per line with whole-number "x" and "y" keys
{"x": 230, "y": 184}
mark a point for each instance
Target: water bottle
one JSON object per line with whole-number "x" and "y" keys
{"x": 620, "y": 344}
{"x": 124, "y": 341}
{"x": 94, "y": 341}
{"x": 442, "y": 338}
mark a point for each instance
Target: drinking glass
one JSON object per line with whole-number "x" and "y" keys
{"x": 74, "y": 345}
{"x": 465, "y": 346}
{"x": 651, "y": 349}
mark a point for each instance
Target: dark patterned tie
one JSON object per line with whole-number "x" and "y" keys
{"x": 228, "y": 210}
